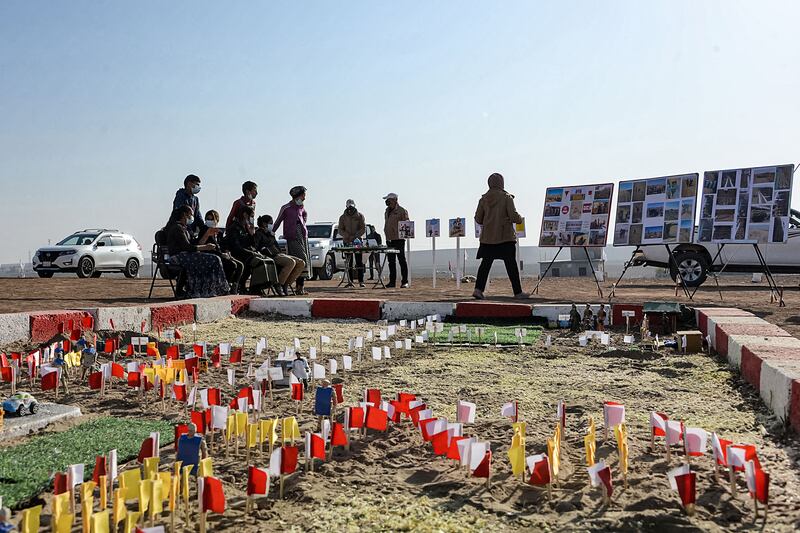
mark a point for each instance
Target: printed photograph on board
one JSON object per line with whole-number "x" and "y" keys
{"x": 577, "y": 215}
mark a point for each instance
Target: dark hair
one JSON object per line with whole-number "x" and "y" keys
{"x": 248, "y": 186}
{"x": 297, "y": 190}
{"x": 212, "y": 214}
{"x": 179, "y": 213}
{"x": 247, "y": 211}
{"x": 264, "y": 219}
{"x": 191, "y": 178}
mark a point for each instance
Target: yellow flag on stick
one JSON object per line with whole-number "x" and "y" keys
{"x": 252, "y": 435}
{"x": 166, "y": 480}
{"x": 145, "y": 494}
{"x": 554, "y": 455}
{"x": 241, "y": 424}
{"x": 516, "y": 454}
{"x": 520, "y": 427}
{"x": 100, "y": 522}
{"x": 103, "y": 485}
{"x": 268, "y": 431}
{"x": 157, "y": 497}
{"x": 591, "y": 447}
{"x": 174, "y": 491}
{"x": 131, "y": 520}
{"x": 151, "y": 467}
{"x": 230, "y": 426}
{"x": 60, "y": 504}
{"x": 290, "y": 429}
{"x": 185, "y": 482}
{"x": 205, "y": 468}
{"x": 87, "y": 490}
{"x": 621, "y": 432}
{"x": 177, "y": 468}
{"x": 86, "y": 513}
{"x": 118, "y": 507}
{"x": 63, "y": 524}
{"x": 130, "y": 481}
{"x": 30, "y": 520}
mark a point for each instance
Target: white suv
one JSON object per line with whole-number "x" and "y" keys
{"x": 694, "y": 260}
{"x": 323, "y": 238}
{"x": 89, "y": 253}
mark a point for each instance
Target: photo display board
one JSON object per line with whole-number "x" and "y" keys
{"x": 458, "y": 227}
{"x": 576, "y": 216}
{"x": 746, "y": 205}
{"x": 656, "y": 210}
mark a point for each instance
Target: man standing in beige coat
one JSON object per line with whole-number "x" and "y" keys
{"x": 395, "y": 214}
{"x": 497, "y": 215}
{"x": 351, "y": 229}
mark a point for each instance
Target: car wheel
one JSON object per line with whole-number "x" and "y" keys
{"x": 45, "y": 274}
{"x": 328, "y": 268}
{"x": 85, "y": 267}
{"x": 96, "y": 274}
{"x": 131, "y": 268}
{"x": 693, "y": 268}
{"x": 20, "y": 410}
{"x": 34, "y": 408}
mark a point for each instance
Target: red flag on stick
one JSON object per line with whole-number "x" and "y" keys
{"x": 213, "y": 495}
{"x": 485, "y": 467}
{"x": 257, "y": 481}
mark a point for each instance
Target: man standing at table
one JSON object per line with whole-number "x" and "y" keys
{"x": 352, "y": 228}
{"x": 395, "y": 214}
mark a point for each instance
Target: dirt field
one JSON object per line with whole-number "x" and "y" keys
{"x": 394, "y": 482}
{"x": 737, "y": 291}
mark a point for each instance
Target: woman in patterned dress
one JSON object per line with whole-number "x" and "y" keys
{"x": 293, "y": 216}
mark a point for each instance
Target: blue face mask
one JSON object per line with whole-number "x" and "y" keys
{"x": 299, "y": 201}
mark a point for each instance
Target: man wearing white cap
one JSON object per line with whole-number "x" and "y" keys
{"x": 393, "y": 216}
{"x": 351, "y": 229}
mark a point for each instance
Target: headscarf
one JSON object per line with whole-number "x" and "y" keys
{"x": 496, "y": 181}
{"x": 296, "y": 191}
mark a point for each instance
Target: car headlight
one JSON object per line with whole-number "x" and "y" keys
{"x": 316, "y": 245}
{"x": 69, "y": 252}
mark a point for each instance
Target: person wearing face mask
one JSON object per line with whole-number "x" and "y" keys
{"x": 248, "y": 199}
{"x": 188, "y": 197}
{"x": 210, "y": 234}
{"x": 240, "y": 240}
{"x": 497, "y": 215}
{"x": 204, "y": 275}
{"x": 293, "y": 216}
{"x": 395, "y": 214}
{"x": 288, "y": 267}
{"x": 351, "y": 229}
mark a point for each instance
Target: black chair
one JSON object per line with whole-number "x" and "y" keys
{"x": 161, "y": 265}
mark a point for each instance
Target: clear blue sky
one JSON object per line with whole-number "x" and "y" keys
{"x": 106, "y": 106}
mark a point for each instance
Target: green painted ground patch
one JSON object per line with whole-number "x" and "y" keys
{"x": 27, "y": 469}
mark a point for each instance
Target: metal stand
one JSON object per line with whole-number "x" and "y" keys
{"x": 678, "y": 271}
{"x": 546, "y": 270}
{"x": 591, "y": 265}
{"x": 775, "y": 293}
{"x": 713, "y": 273}
{"x": 347, "y": 277}
{"x": 624, "y": 269}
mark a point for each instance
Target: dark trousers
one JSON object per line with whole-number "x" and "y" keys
{"x": 373, "y": 264}
{"x": 359, "y": 269}
{"x": 399, "y": 245}
{"x": 511, "y": 268}
{"x": 233, "y": 270}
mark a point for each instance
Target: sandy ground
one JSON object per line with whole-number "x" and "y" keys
{"x": 393, "y": 482}
{"x": 69, "y": 293}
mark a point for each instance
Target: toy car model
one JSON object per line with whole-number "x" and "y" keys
{"x": 21, "y": 403}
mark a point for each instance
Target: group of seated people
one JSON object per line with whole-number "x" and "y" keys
{"x": 243, "y": 257}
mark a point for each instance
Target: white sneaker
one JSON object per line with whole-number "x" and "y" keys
{"x": 478, "y": 295}
{"x": 404, "y": 286}
{"x": 522, "y": 296}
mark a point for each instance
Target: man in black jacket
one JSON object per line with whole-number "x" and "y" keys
{"x": 240, "y": 241}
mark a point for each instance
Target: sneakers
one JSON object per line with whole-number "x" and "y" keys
{"x": 361, "y": 284}
{"x": 478, "y": 295}
{"x": 390, "y": 285}
{"x": 404, "y": 285}
{"x": 522, "y": 296}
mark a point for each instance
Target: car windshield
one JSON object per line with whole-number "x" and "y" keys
{"x": 319, "y": 231}
{"x": 78, "y": 239}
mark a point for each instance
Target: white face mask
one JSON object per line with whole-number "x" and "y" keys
{"x": 211, "y": 223}
{"x": 252, "y": 221}
{"x": 190, "y": 221}
{"x": 298, "y": 201}
{"x": 196, "y": 189}
{"x": 268, "y": 227}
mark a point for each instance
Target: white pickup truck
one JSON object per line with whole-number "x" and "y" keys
{"x": 694, "y": 260}
{"x": 323, "y": 239}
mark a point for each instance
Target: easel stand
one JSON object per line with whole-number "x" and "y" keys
{"x": 678, "y": 271}
{"x": 714, "y": 274}
{"x": 775, "y": 292}
{"x": 628, "y": 264}
{"x": 591, "y": 265}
